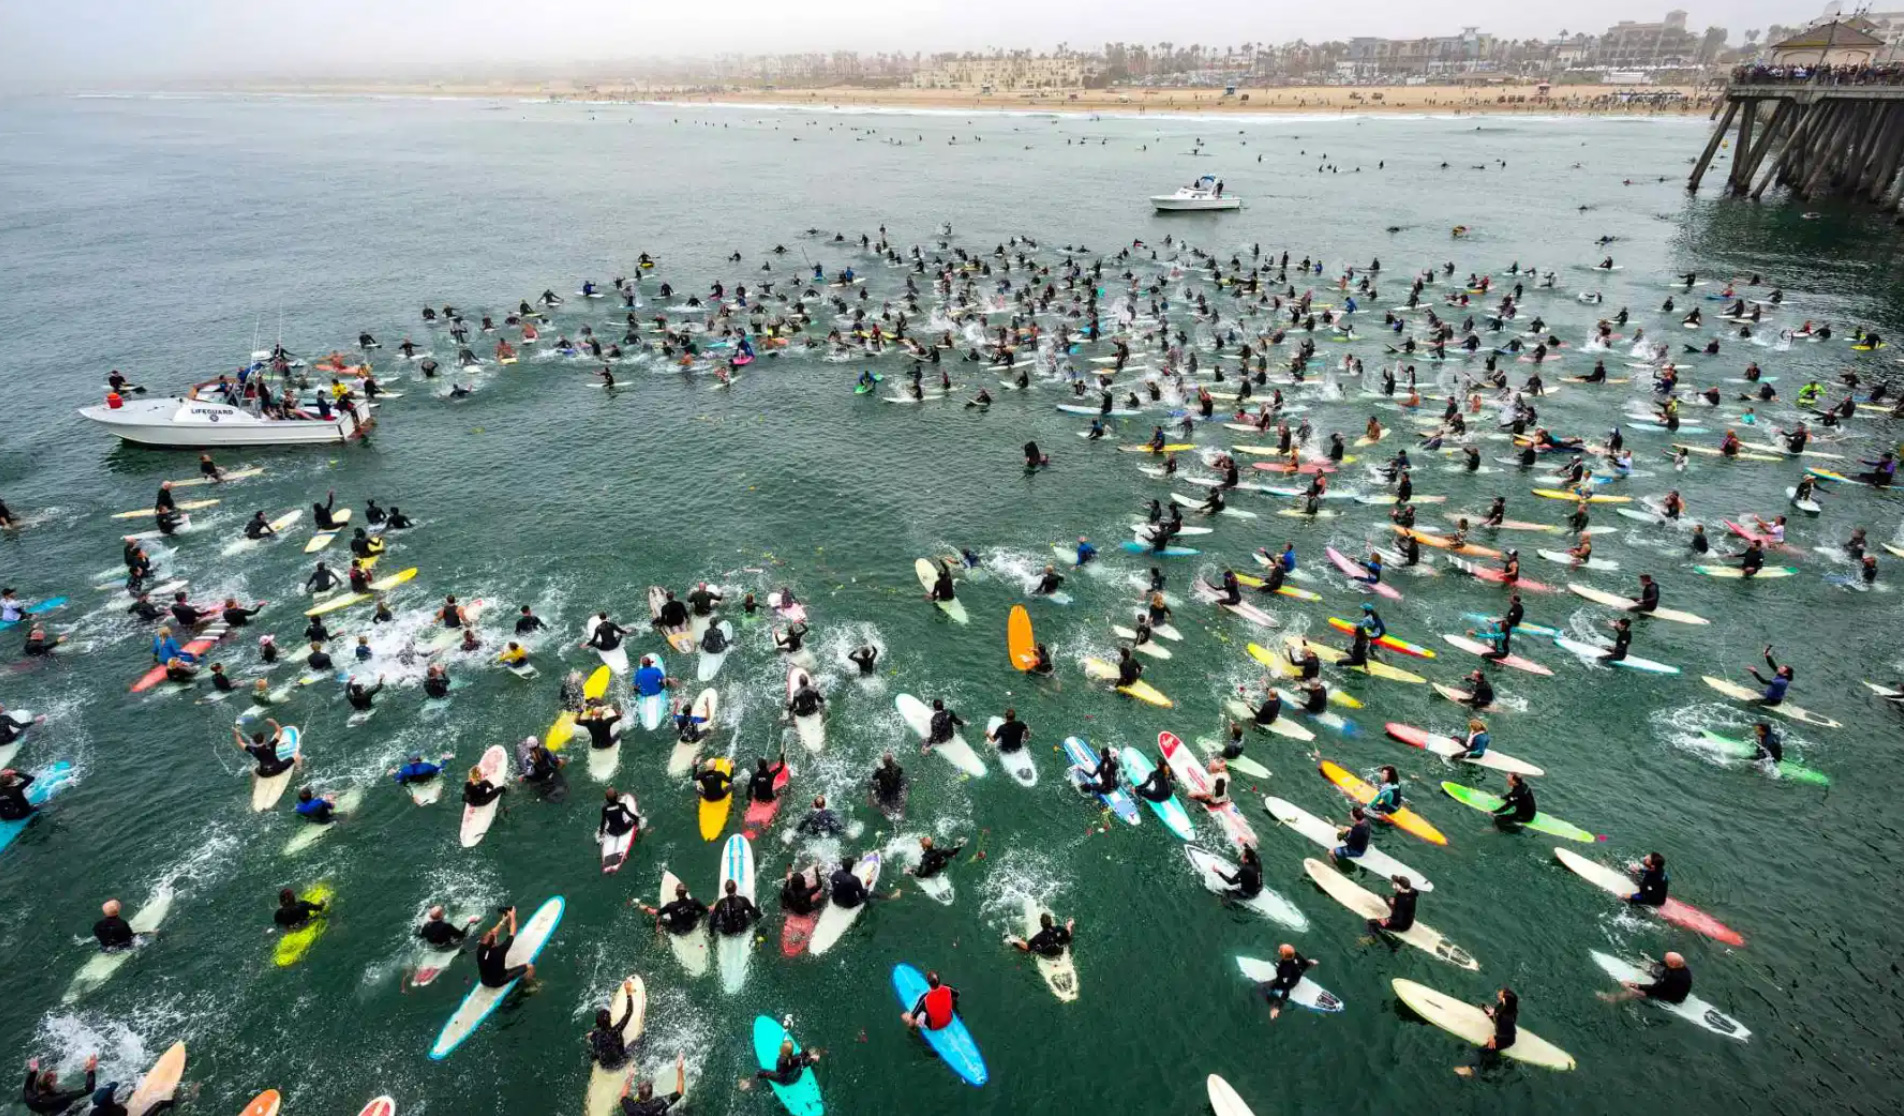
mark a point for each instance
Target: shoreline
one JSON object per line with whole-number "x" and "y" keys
{"x": 1318, "y": 101}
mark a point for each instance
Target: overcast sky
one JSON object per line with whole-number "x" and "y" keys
{"x": 97, "y": 43}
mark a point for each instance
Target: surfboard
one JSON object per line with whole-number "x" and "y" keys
{"x": 1020, "y": 646}
{"x": 734, "y": 951}
{"x": 482, "y": 1000}
{"x": 615, "y": 848}
{"x": 477, "y": 819}
{"x": 1447, "y": 747}
{"x": 1371, "y": 906}
{"x": 100, "y": 968}
{"x": 1618, "y": 883}
{"x": 802, "y": 1098}
{"x": 1542, "y": 822}
{"x": 1471, "y": 1024}
{"x": 1324, "y": 835}
{"x": 918, "y": 717}
{"x": 1268, "y": 902}
{"x": 1692, "y": 1008}
{"x": 953, "y": 1042}
{"x": 605, "y": 1086}
{"x": 1137, "y": 768}
{"x": 294, "y": 944}
{"x": 1404, "y": 819}
{"x": 1118, "y": 801}
{"x": 835, "y": 921}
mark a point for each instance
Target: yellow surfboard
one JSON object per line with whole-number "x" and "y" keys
{"x": 296, "y": 943}
{"x": 714, "y": 814}
{"x": 597, "y": 685}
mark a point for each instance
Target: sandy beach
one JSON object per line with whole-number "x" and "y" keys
{"x": 1437, "y": 99}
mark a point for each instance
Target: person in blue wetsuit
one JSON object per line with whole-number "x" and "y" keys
{"x": 649, "y": 679}
{"x": 165, "y": 648}
{"x": 1372, "y": 621}
{"x": 313, "y": 807}
{"x": 1372, "y": 570}
{"x": 417, "y": 771}
{"x": 1086, "y": 552}
{"x": 1476, "y": 740}
{"x": 1777, "y": 684}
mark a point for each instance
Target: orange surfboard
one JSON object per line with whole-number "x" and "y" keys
{"x": 1018, "y": 639}
{"x": 1357, "y": 788}
{"x": 264, "y": 1104}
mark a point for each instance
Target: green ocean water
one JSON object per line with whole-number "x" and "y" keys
{"x": 170, "y": 236}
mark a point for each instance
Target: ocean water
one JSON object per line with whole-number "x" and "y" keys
{"x": 169, "y": 236}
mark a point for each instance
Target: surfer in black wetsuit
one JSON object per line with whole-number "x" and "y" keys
{"x": 889, "y": 785}
{"x": 1102, "y": 779}
{"x": 1671, "y": 984}
{"x": 733, "y": 912}
{"x": 1517, "y": 806}
{"x": 933, "y": 859}
{"x": 866, "y": 657}
{"x": 1290, "y": 967}
{"x": 492, "y": 955}
{"x": 681, "y": 915}
{"x": 617, "y": 817}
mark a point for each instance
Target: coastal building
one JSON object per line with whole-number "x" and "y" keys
{"x": 1628, "y": 45}
{"x": 1834, "y": 43}
{"x": 1002, "y": 73}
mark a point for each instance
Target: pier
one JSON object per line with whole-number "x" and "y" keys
{"x": 1827, "y": 134}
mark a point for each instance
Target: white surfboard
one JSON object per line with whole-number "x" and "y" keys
{"x": 918, "y": 716}
{"x": 836, "y": 921}
{"x": 736, "y": 950}
{"x": 691, "y": 948}
{"x": 477, "y": 819}
{"x": 102, "y": 966}
{"x": 605, "y": 1086}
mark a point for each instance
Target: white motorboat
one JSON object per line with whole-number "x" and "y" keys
{"x": 192, "y": 423}
{"x": 1203, "y": 194}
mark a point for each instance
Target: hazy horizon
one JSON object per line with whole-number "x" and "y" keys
{"x": 92, "y": 45}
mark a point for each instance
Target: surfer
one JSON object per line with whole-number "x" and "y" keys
{"x": 264, "y": 750}
{"x": 42, "y": 1093}
{"x": 761, "y": 785}
{"x": 1101, "y": 780}
{"x": 1051, "y": 940}
{"x": 933, "y": 859}
{"x": 713, "y": 784}
{"x": 733, "y": 912}
{"x": 889, "y": 786}
{"x": 606, "y": 637}
{"x": 1354, "y": 836}
{"x": 293, "y": 912}
{"x": 1671, "y": 983}
{"x": 1290, "y": 969}
{"x": 681, "y": 914}
{"x": 866, "y": 657}
{"x": 1653, "y": 881}
{"x": 1401, "y": 909}
{"x": 789, "y": 1064}
{"x": 479, "y": 791}
{"x": 943, "y": 726}
{"x": 1505, "y": 1012}
{"x": 1517, "y": 807}
{"x": 821, "y": 821}
{"x": 605, "y": 1045}
{"x": 935, "y": 1008}
{"x": 618, "y": 818}
{"x": 1775, "y": 686}
{"x": 492, "y": 954}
